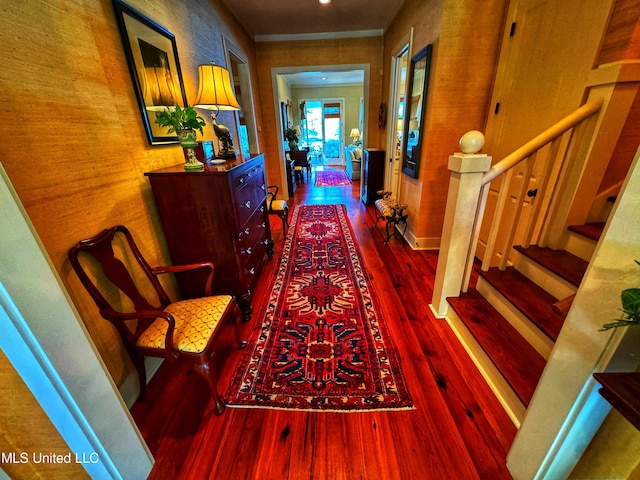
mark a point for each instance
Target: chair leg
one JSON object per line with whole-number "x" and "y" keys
{"x": 237, "y": 315}
{"x": 285, "y": 220}
{"x": 204, "y": 367}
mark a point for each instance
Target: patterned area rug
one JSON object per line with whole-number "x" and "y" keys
{"x": 332, "y": 178}
{"x": 323, "y": 344}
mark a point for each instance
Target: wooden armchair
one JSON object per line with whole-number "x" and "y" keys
{"x": 185, "y": 329}
{"x": 278, "y": 207}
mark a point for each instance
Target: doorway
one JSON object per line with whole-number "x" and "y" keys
{"x": 325, "y": 83}
{"x": 323, "y": 130}
{"x": 395, "y": 129}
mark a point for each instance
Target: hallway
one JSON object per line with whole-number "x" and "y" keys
{"x": 457, "y": 429}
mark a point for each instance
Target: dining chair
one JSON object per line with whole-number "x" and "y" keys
{"x": 127, "y": 292}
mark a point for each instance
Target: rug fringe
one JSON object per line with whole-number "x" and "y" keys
{"x": 328, "y": 410}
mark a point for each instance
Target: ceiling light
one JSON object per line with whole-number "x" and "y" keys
{"x": 324, "y": 2}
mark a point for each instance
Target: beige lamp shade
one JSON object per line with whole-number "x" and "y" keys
{"x": 215, "y": 91}
{"x": 355, "y": 133}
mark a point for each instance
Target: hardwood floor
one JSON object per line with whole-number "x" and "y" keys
{"x": 457, "y": 429}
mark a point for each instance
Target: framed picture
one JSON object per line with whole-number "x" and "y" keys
{"x": 414, "y": 111}
{"x": 155, "y": 70}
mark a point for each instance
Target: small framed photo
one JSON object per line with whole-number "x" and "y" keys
{"x": 152, "y": 56}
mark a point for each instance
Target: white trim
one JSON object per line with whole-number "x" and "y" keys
{"x": 276, "y": 71}
{"x": 52, "y": 350}
{"x": 319, "y": 36}
{"x": 405, "y": 43}
{"x": 32, "y": 364}
{"x": 512, "y": 405}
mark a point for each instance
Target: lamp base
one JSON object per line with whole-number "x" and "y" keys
{"x": 223, "y": 154}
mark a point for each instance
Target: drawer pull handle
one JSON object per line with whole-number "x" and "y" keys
{"x": 263, "y": 224}
{"x": 251, "y": 271}
{"x": 247, "y": 204}
{"x": 241, "y": 179}
{"x": 246, "y": 251}
{"x": 263, "y": 187}
{"x": 243, "y": 232}
{"x": 262, "y": 208}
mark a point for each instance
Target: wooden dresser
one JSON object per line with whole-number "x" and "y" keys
{"x": 372, "y": 178}
{"x": 217, "y": 215}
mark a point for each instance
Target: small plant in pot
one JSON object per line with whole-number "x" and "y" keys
{"x": 184, "y": 122}
{"x": 291, "y": 134}
{"x": 630, "y": 299}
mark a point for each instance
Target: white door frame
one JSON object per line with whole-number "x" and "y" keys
{"x": 72, "y": 385}
{"x": 392, "y": 174}
{"x": 275, "y": 71}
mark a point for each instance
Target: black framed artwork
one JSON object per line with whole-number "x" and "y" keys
{"x": 414, "y": 112}
{"x": 154, "y": 66}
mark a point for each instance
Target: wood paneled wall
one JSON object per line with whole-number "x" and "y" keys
{"x": 74, "y": 146}
{"x": 344, "y": 51}
{"x": 466, "y": 38}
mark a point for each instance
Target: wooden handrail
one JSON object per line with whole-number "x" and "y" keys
{"x": 541, "y": 140}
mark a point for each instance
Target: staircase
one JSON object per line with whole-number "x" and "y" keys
{"x": 511, "y": 319}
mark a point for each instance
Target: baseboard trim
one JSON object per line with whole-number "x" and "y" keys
{"x": 422, "y": 243}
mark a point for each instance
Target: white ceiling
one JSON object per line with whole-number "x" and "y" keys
{"x": 308, "y": 79}
{"x": 273, "y": 20}
{"x": 265, "y": 19}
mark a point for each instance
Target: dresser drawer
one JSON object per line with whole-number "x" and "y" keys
{"x": 240, "y": 176}
{"x": 253, "y": 232}
{"x": 252, "y": 264}
{"x": 249, "y": 198}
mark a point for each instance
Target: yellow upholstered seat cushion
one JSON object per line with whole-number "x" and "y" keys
{"x": 196, "y": 320}
{"x": 278, "y": 205}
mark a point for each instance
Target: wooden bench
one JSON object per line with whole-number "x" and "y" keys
{"x": 387, "y": 208}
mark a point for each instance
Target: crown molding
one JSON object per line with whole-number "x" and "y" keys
{"x": 319, "y": 36}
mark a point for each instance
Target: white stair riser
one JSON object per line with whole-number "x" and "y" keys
{"x": 580, "y": 246}
{"x": 502, "y": 390}
{"x": 548, "y": 281}
{"x": 531, "y": 333}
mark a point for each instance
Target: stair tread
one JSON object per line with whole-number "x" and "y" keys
{"x": 536, "y": 304}
{"x": 562, "y": 263}
{"x": 592, "y": 230}
{"x": 518, "y": 362}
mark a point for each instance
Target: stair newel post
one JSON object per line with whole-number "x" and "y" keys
{"x": 464, "y": 198}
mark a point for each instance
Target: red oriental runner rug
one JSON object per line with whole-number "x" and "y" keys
{"x": 332, "y": 178}
{"x": 322, "y": 344}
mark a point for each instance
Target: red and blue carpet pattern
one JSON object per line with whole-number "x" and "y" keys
{"x": 332, "y": 178}
{"x": 322, "y": 344}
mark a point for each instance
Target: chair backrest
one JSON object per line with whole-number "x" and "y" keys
{"x": 101, "y": 248}
{"x": 299, "y": 157}
{"x": 272, "y": 193}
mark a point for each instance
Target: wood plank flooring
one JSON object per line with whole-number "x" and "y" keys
{"x": 457, "y": 429}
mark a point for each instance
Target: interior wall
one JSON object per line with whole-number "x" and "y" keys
{"x": 345, "y": 51}
{"x": 466, "y": 39}
{"x": 76, "y": 151}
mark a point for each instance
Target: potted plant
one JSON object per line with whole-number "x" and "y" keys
{"x": 630, "y": 298}
{"x": 184, "y": 122}
{"x": 291, "y": 134}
